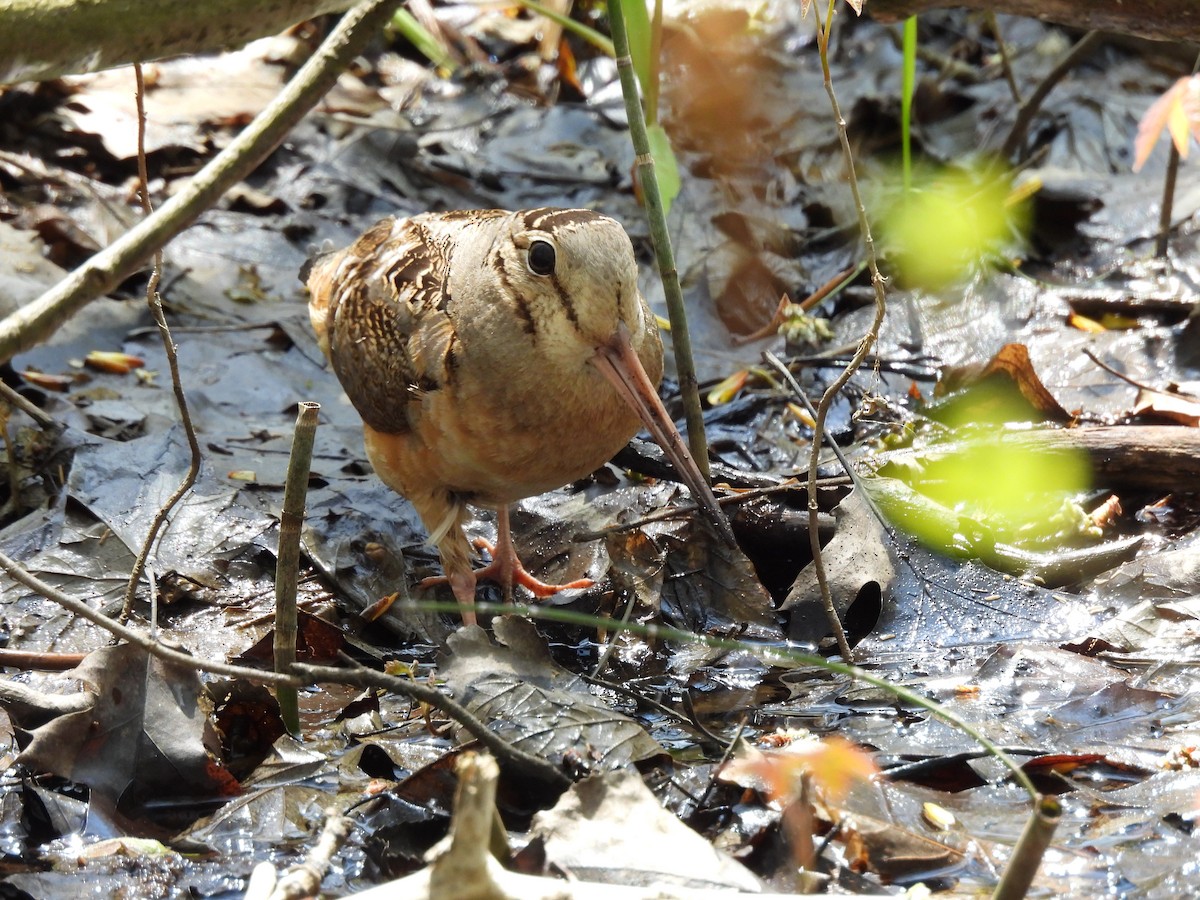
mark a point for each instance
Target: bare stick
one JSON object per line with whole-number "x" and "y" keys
{"x": 287, "y": 558}
{"x": 36, "y": 321}
{"x": 1031, "y": 847}
{"x": 12, "y": 398}
{"x": 864, "y": 347}
{"x": 305, "y": 879}
{"x": 154, "y": 301}
{"x": 1030, "y": 107}
{"x": 1168, "y": 196}
{"x": 1005, "y": 62}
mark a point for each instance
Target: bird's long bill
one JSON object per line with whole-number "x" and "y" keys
{"x": 619, "y": 363}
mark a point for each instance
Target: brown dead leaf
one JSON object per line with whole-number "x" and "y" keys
{"x": 114, "y": 362}
{"x": 144, "y": 733}
{"x": 1010, "y": 366}
{"x": 1173, "y": 407}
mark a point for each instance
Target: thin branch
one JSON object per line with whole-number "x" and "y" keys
{"x": 154, "y": 301}
{"x": 1162, "y": 240}
{"x": 156, "y": 648}
{"x": 771, "y": 653}
{"x": 12, "y": 398}
{"x": 1029, "y": 109}
{"x": 864, "y": 347}
{"x": 304, "y": 880}
{"x": 1005, "y": 61}
{"x": 36, "y": 321}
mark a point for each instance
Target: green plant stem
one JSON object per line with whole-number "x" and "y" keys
{"x": 1031, "y": 847}
{"x": 652, "y": 89}
{"x": 427, "y": 44}
{"x": 906, "y": 98}
{"x": 644, "y": 166}
{"x": 771, "y": 655}
{"x": 591, "y": 35}
{"x": 287, "y": 557}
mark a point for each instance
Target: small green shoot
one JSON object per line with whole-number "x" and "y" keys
{"x": 406, "y": 25}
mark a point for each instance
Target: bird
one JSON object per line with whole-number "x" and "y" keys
{"x": 494, "y": 355}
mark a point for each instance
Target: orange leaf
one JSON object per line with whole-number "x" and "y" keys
{"x": 832, "y": 765}
{"x": 1178, "y": 112}
{"x": 112, "y": 361}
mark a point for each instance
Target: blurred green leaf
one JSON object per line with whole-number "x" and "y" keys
{"x": 641, "y": 40}
{"x": 950, "y": 222}
{"x": 416, "y": 34}
{"x": 665, "y": 165}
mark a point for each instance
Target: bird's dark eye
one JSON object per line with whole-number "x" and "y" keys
{"x": 541, "y": 258}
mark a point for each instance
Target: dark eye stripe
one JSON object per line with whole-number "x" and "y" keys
{"x": 565, "y": 299}
{"x": 519, "y": 301}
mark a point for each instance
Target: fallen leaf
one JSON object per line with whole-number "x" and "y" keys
{"x": 1177, "y": 111}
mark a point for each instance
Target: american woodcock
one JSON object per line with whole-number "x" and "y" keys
{"x": 493, "y": 356}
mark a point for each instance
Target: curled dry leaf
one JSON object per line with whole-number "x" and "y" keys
{"x": 114, "y": 362}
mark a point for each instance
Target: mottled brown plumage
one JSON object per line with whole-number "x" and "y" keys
{"x": 493, "y": 356}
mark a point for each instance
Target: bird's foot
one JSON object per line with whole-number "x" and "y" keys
{"x": 506, "y": 569}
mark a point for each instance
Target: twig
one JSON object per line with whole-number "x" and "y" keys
{"x": 648, "y": 180}
{"x": 864, "y": 346}
{"x": 1133, "y": 382}
{"x": 305, "y": 879}
{"x": 538, "y": 766}
{"x": 358, "y": 676}
{"x": 287, "y": 557}
{"x": 154, "y": 301}
{"x": 13, "y": 398}
{"x": 1005, "y": 62}
{"x": 20, "y": 574}
{"x": 1031, "y": 847}
{"x": 35, "y": 321}
{"x": 1030, "y": 107}
{"x": 829, "y": 288}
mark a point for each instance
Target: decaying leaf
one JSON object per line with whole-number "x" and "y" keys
{"x": 144, "y": 734}
{"x": 857, "y": 558}
{"x": 987, "y": 391}
{"x": 538, "y": 706}
{"x": 832, "y": 765}
{"x": 611, "y": 828}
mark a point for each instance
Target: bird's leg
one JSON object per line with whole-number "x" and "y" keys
{"x": 452, "y": 547}
{"x": 506, "y": 568}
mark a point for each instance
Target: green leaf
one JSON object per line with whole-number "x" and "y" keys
{"x": 666, "y": 167}
{"x": 416, "y": 34}
{"x": 637, "y": 23}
